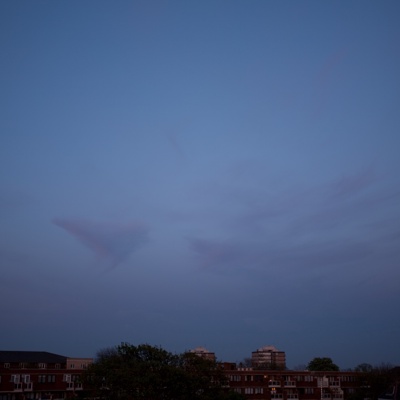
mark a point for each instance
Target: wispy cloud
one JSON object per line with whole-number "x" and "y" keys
{"x": 332, "y": 224}
{"x": 352, "y": 184}
{"x": 112, "y": 242}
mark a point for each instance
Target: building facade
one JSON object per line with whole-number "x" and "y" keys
{"x": 40, "y": 375}
{"x": 204, "y": 353}
{"x": 268, "y": 357}
{"x": 291, "y": 385}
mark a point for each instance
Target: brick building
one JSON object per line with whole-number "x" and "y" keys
{"x": 291, "y": 385}
{"x": 204, "y": 353}
{"x": 40, "y": 375}
{"x": 268, "y": 357}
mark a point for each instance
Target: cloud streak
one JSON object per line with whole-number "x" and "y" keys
{"x": 111, "y": 242}
{"x": 333, "y": 224}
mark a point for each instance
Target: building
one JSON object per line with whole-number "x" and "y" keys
{"x": 257, "y": 384}
{"x": 204, "y": 353}
{"x": 32, "y": 375}
{"x": 40, "y": 375}
{"x": 268, "y": 357}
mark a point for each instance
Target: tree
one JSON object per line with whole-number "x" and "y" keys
{"x": 375, "y": 380}
{"x": 129, "y": 372}
{"x": 365, "y": 367}
{"x": 245, "y": 363}
{"x": 322, "y": 364}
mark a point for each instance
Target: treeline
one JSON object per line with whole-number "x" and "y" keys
{"x": 128, "y": 372}
{"x": 376, "y": 381}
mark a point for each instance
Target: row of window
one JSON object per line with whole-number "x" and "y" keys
{"x": 44, "y": 366}
{"x": 293, "y": 396}
{"x": 26, "y": 365}
{"x": 249, "y": 390}
{"x": 331, "y": 381}
{"x": 22, "y": 387}
{"x": 48, "y": 378}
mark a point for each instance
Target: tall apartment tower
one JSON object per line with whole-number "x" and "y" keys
{"x": 268, "y": 357}
{"x": 204, "y": 353}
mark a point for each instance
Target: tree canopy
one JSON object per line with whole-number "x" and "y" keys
{"x": 375, "y": 381}
{"x": 322, "y": 364}
{"x": 128, "y": 372}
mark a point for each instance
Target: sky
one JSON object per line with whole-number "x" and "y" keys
{"x": 201, "y": 173}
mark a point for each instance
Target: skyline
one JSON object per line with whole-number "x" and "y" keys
{"x": 217, "y": 174}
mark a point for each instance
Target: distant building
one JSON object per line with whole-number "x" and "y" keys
{"x": 40, "y": 375}
{"x": 204, "y": 353}
{"x": 78, "y": 363}
{"x": 268, "y": 357}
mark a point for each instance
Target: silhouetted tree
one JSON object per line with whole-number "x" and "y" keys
{"x": 245, "y": 363}
{"x": 365, "y": 368}
{"x": 322, "y": 364}
{"x": 129, "y": 372}
{"x": 374, "y": 380}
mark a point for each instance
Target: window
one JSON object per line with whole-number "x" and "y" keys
{"x": 258, "y": 390}
{"x": 309, "y": 378}
{"x": 15, "y": 378}
{"x": 42, "y": 378}
{"x": 274, "y": 383}
{"x": 248, "y": 391}
{"x": 42, "y": 365}
{"x": 26, "y": 378}
{"x": 57, "y": 366}
{"x": 249, "y": 378}
{"x": 309, "y": 391}
{"x": 6, "y": 365}
{"x": 22, "y": 365}
{"x": 67, "y": 378}
{"x": 51, "y": 378}
{"x": 235, "y": 378}
{"x": 72, "y": 366}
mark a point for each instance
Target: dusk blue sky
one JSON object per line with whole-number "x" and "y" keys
{"x": 201, "y": 173}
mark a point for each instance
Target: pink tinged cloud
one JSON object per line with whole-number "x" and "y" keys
{"x": 113, "y": 242}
